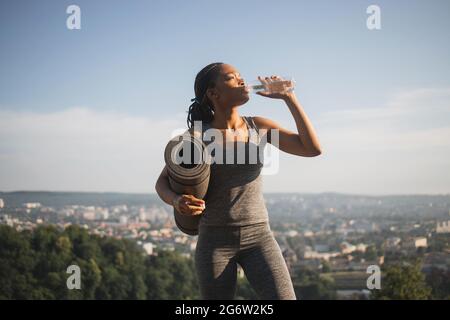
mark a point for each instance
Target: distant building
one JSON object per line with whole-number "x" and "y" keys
{"x": 443, "y": 227}
{"x": 101, "y": 213}
{"x": 361, "y": 247}
{"x": 309, "y": 254}
{"x": 32, "y": 205}
{"x": 291, "y": 233}
{"x": 5, "y": 219}
{"x": 148, "y": 247}
{"x": 414, "y": 243}
{"x": 123, "y": 219}
{"x": 347, "y": 248}
{"x": 420, "y": 242}
{"x": 308, "y": 234}
{"x": 89, "y": 215}
{"x": 119, "y": 209}
{"x": 166, "y": 232}
{"x": 392, "y": 243}
{"x": 2, "y": 203}
{"x": 142, "y": 215}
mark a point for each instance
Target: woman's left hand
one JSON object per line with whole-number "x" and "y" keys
{"x": 276, "y": 95}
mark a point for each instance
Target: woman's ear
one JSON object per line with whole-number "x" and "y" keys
{"x": 212, "y": 94}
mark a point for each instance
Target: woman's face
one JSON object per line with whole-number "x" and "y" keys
{"x": 229, "y": 89}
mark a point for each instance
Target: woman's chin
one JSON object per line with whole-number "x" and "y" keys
{"x": 241, "y": 99}
{"x": 245, "y": 98}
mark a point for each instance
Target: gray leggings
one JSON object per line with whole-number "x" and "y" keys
{"x": 220, "y": 248}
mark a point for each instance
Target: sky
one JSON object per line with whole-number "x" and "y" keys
{"x": 92, "y": 109}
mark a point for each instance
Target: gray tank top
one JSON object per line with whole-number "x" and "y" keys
{"x": 234, "y": 196}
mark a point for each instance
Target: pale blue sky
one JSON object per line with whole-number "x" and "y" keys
{"x": 138, "y": 59}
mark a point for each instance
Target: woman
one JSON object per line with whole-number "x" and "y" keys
{"x": 234, "y": 228}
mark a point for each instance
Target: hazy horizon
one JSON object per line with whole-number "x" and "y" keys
{"x": 274, "y": 192}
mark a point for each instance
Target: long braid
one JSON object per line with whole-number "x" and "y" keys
{"x": 202, "y": 109}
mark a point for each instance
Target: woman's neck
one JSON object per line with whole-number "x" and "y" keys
{"x": 229, "y": 119}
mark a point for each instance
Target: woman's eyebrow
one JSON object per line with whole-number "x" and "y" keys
{"x": 237, "y": 73}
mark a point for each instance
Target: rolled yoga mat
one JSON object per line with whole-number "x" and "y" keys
{"x": 187, "y": 178}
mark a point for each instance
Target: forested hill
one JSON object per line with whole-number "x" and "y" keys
{"x": 33, "y": 265}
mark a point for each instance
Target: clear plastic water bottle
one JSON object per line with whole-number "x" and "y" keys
{"x": 285, "y": 84}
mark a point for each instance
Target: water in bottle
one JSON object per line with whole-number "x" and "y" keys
{"x": 285, "y": 84}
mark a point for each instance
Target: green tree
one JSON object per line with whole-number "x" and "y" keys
{"x": 439, "y": 281}
{"x": 244, "y": 290}
{"x": 17, "y": 260}
{"x": 402, "y": 282}
{"x": 33, "y": 265}
{"x": 170, "y": 275}
{"x": 309, "y": 285}
{"x": 371, "y": 253}
{"x": 326, "y": 267}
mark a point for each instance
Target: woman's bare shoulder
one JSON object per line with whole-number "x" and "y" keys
{"x": 264, "y": 123}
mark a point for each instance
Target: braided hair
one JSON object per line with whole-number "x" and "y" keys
{"x": 202, "y": 109}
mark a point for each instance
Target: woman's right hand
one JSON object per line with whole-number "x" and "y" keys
{"x": 188, "y": 204}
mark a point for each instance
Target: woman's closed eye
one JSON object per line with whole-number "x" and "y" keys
{"x": 238, "y": 80}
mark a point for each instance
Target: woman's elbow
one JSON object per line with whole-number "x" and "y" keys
{"x": 314, "y": 153}
{"x": 317, "y": 152}
{"x": 158, "y": 186}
